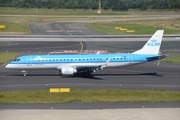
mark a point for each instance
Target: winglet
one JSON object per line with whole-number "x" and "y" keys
{"x": 153, "y": 44}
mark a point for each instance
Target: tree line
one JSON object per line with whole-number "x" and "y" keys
{"x": 93, "y": 4}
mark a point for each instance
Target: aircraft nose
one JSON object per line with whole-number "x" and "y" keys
{"x": 8, "y": 66}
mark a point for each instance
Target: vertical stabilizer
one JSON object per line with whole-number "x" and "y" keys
{"x": 153, "y": 44}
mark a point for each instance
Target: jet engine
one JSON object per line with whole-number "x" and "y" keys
{"x": 68, "y": 71}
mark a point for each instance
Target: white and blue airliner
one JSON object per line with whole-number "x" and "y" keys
{"x": 70, "y": 64}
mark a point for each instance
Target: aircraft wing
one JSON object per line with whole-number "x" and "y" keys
{"x": 86, "y": 67}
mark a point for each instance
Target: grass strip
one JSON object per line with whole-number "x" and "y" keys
{"x": 88, "y": 96}
{"x": 43, "y": 11}
{"x": 109, "y": 28}
{"x": 15, "y": 28}
{"x": 175, "y": 59}
{"x": 68, "y": 12}
{"x": 5, "y": 57}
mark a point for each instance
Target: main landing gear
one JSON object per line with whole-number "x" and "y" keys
{"x": 24, "y": 73}
{"x": 86, "y": 74}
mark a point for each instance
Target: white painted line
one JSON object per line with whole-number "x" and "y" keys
{"x": 177, "y": 37}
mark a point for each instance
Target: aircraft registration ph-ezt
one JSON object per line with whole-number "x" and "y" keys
{"x": 70, "y": 64}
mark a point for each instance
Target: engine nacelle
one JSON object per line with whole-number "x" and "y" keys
{"x": 68, "y": 71}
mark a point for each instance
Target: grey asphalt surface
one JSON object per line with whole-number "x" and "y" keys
{"x": 145, "y": 76}
{"x": 36, "y": 47}
{"x": 61, "y": 28}
{"x": 85, "y": 106}
{"x": 111, "y": 46}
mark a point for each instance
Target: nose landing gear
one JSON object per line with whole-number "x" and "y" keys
{"x": 24, "y": 73}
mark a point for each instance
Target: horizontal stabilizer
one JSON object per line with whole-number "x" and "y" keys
{"x": 155, "y": 57}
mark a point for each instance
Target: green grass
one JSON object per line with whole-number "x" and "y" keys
{"x": 175, "y": 59}
{"x": 109, "y": 28}
{"x": 88, "y": 96}
{"x": 7, "y": 56}
{"x": 33, "y": 11}
{"x": 69, "y": 12}
{"x": 2, "y": 43}
{"x": 15, "y": 28}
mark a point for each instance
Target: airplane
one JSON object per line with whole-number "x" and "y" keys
{"x": 70, "y": 64}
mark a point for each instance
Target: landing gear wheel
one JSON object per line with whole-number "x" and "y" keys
{"x": 86, "y": 74}
{"x": 24, "y": 73}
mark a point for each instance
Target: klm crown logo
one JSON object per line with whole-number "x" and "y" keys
{"x": 153, "y": 42}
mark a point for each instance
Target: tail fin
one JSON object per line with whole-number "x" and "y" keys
{"x": 153, "y": 44}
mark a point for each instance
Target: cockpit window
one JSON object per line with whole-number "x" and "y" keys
{"x": 16, "y": 60}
